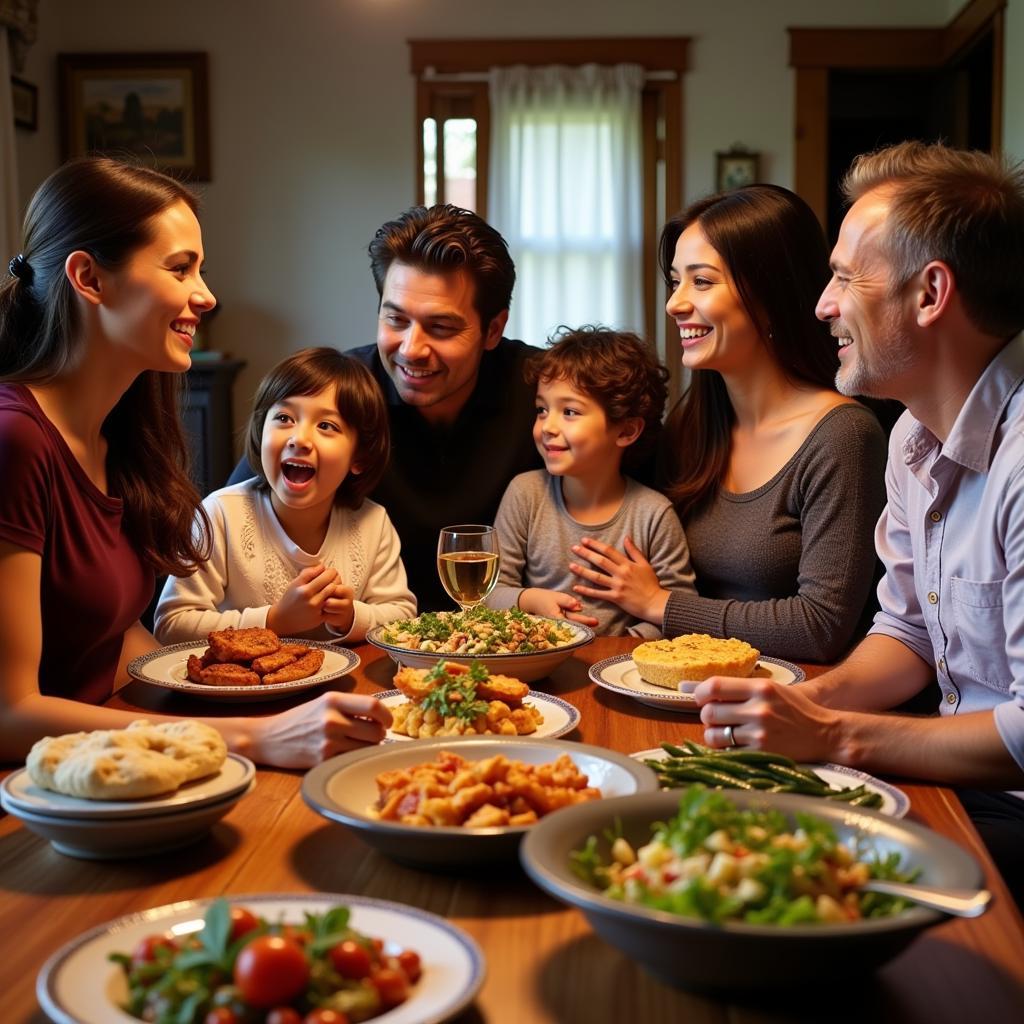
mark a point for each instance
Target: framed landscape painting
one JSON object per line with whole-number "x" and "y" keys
{"x": 152, "y": 107}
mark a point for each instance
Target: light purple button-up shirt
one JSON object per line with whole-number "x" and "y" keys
{"x": 952, "y": 540}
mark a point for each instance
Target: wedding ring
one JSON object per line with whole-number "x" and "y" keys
{"x": 729, "y": 737}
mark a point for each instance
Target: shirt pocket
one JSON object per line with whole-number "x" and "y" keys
{"x": 978, "y": 616}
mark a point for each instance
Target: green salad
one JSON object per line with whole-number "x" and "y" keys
{"x": 720, "y": 862}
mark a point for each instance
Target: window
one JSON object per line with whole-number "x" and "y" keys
{"x": 453, "y": 132}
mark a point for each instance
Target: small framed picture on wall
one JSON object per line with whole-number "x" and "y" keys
{"x": 735, "y": 168}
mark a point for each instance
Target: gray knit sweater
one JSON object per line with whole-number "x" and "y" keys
{"x": 536, "y": 534}
{"x": 788, "y": 567}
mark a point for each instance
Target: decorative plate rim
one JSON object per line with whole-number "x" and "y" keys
{"x": 672, "y": 696}
{"x": 456, "y": 1004}
{"x": 575, "y": 717}
{"x": 136, "y": 666}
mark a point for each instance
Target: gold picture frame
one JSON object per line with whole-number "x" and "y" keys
{"x": 735, "y": 168}
{"x": 151, "y": 107}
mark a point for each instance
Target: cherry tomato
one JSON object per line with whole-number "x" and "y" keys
{"x": 242, "y": 922}
{"x": 221, "y": 1015}
{"x": 350, "y": 959}
{"x": 409, "y": 961}
{"x": 284, "y": 1015}
{"x": 145, "y": 952}
{"x": 392, "y": 986}
{"x": 271, "y": 970}
{"x": 378, "y": 945}
{"x": 325, "y": 1016}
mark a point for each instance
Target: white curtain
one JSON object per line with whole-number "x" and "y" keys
{"x": 566, "y": 192}
{"x": 10, "y": 222}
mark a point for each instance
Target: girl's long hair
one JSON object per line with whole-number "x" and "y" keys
{"x": 106, "y": 208}
{"x": 775, "y": 251}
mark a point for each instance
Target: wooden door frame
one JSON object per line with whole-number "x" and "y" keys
{"x": 814, "y": 52}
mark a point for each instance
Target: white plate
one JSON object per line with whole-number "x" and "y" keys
{"x": 525, "y": 667}
{"x": 560, "y": 717}
{"x": 621, "y": 676}
{"x": 19, "y": 792}
{"x": 168, "y": 668}
{"x": 78, "y": 985}
{"x": 123, "y": 838}
{"x": 895, "y": 802}
{"x": 344, "y": 789}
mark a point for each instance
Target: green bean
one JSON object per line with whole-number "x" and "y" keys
{"x": 710, "y": 777}
{"x": 671, "y": 748}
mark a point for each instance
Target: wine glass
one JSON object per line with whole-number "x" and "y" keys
{"x": 467, "y": 562}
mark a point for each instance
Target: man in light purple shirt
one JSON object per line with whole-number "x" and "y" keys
{"x": 926, "y": 302}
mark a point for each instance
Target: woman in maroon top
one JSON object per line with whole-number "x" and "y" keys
{"x": 97, "y": 317}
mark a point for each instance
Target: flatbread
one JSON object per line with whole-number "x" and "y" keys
{"x": 127, "y": 764}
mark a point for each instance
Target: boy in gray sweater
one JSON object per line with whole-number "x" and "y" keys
{"x": 600, "y": 396}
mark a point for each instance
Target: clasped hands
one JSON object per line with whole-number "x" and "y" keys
{"x": 316, "y": 596}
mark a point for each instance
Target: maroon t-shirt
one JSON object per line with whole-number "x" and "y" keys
{"x": 94, "y": 585}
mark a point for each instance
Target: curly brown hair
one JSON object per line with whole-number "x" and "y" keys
{"x": 360, "y": 404}
{"x": 617, "y": 369}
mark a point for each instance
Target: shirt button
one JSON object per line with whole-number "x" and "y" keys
{"x": 933, "y": 598}
{"x": 950, "y": 698}
{"x": 935, "y": 516}
{"x": 942, "y": 664}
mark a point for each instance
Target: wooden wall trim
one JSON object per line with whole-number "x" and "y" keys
{"x": 450, "y": 56}
{"x": 864, "y": 47}
{"x": 971, "y": 22}
{"x": 812, "y": 139}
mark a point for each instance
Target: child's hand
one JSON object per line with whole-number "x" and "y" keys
{"x": 311, "y": 732}
{"x": 339, "y": 609}
{"x": 554, "y": 605}
{"x": 301, "y": 606}
{"x": 625, "y": 579}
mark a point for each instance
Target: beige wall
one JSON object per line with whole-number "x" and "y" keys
{"x": 312, "y": 115}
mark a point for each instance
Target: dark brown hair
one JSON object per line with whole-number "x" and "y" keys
{"x": 961, "y": 207}
{"x": 360, "y": 404}
{"x": 775, "y": 251}
{"x": 615, "y": 368}
{"x": 444, "y": 239}
{"x": 106, "y": 209}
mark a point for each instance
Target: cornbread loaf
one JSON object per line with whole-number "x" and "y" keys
{"x": 693, "y": 657}
{"x": 126, "y": 764}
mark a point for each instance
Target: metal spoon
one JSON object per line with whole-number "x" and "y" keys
{"x": 958, "y": 902}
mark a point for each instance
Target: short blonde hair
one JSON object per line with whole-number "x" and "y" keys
{"x": 965, "y": 208}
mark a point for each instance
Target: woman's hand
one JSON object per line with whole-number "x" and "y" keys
{"x": 301, "y": 606}
{"x": 766, "y": 715}
{"x": 312, "y": 732}
{"x": 339, "y": 610}
{"x": 554, "y": 605}
{"x": 625, "y": 579}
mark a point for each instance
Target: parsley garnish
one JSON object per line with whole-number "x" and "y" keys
{"x": 455, "y": 696}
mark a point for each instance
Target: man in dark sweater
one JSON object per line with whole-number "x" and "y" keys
{"x": 461, "y": 414}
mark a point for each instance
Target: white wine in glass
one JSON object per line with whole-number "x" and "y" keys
{"x": 467, "y": 562}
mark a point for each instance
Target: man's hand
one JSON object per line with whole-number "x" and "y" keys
{"x": 554, "y": 605}
{"x": 627, "y": 580}
{"x": 767, "y": 715}
{"x": 301, "y": 606}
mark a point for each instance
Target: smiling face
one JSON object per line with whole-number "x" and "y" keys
{"x": 876, "y": 349}
{"x": 430, "y": 340}
{"x": 573, "y": 435}
{"x": 152, "y": 305}
{"x": 715, "y": 329}
{"x": 306, "y": 452}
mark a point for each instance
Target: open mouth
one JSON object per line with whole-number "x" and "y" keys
{"x": 297, "y": 472}
{"x": 692, "y": 333}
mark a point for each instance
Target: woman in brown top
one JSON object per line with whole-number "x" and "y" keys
{"x": 777, "y": 478}
{"x": 96, "y": 323}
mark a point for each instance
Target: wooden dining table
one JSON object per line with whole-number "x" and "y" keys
{"x": 544, "y": 964}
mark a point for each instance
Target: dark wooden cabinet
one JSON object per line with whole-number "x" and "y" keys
{"x": 208, "y": 417}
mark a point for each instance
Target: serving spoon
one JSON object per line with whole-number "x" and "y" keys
{"x": 958, "y": 902}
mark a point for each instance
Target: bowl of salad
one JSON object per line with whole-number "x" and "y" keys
{"x": 746, "y": 890}
{"x": 508, "y": 642}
